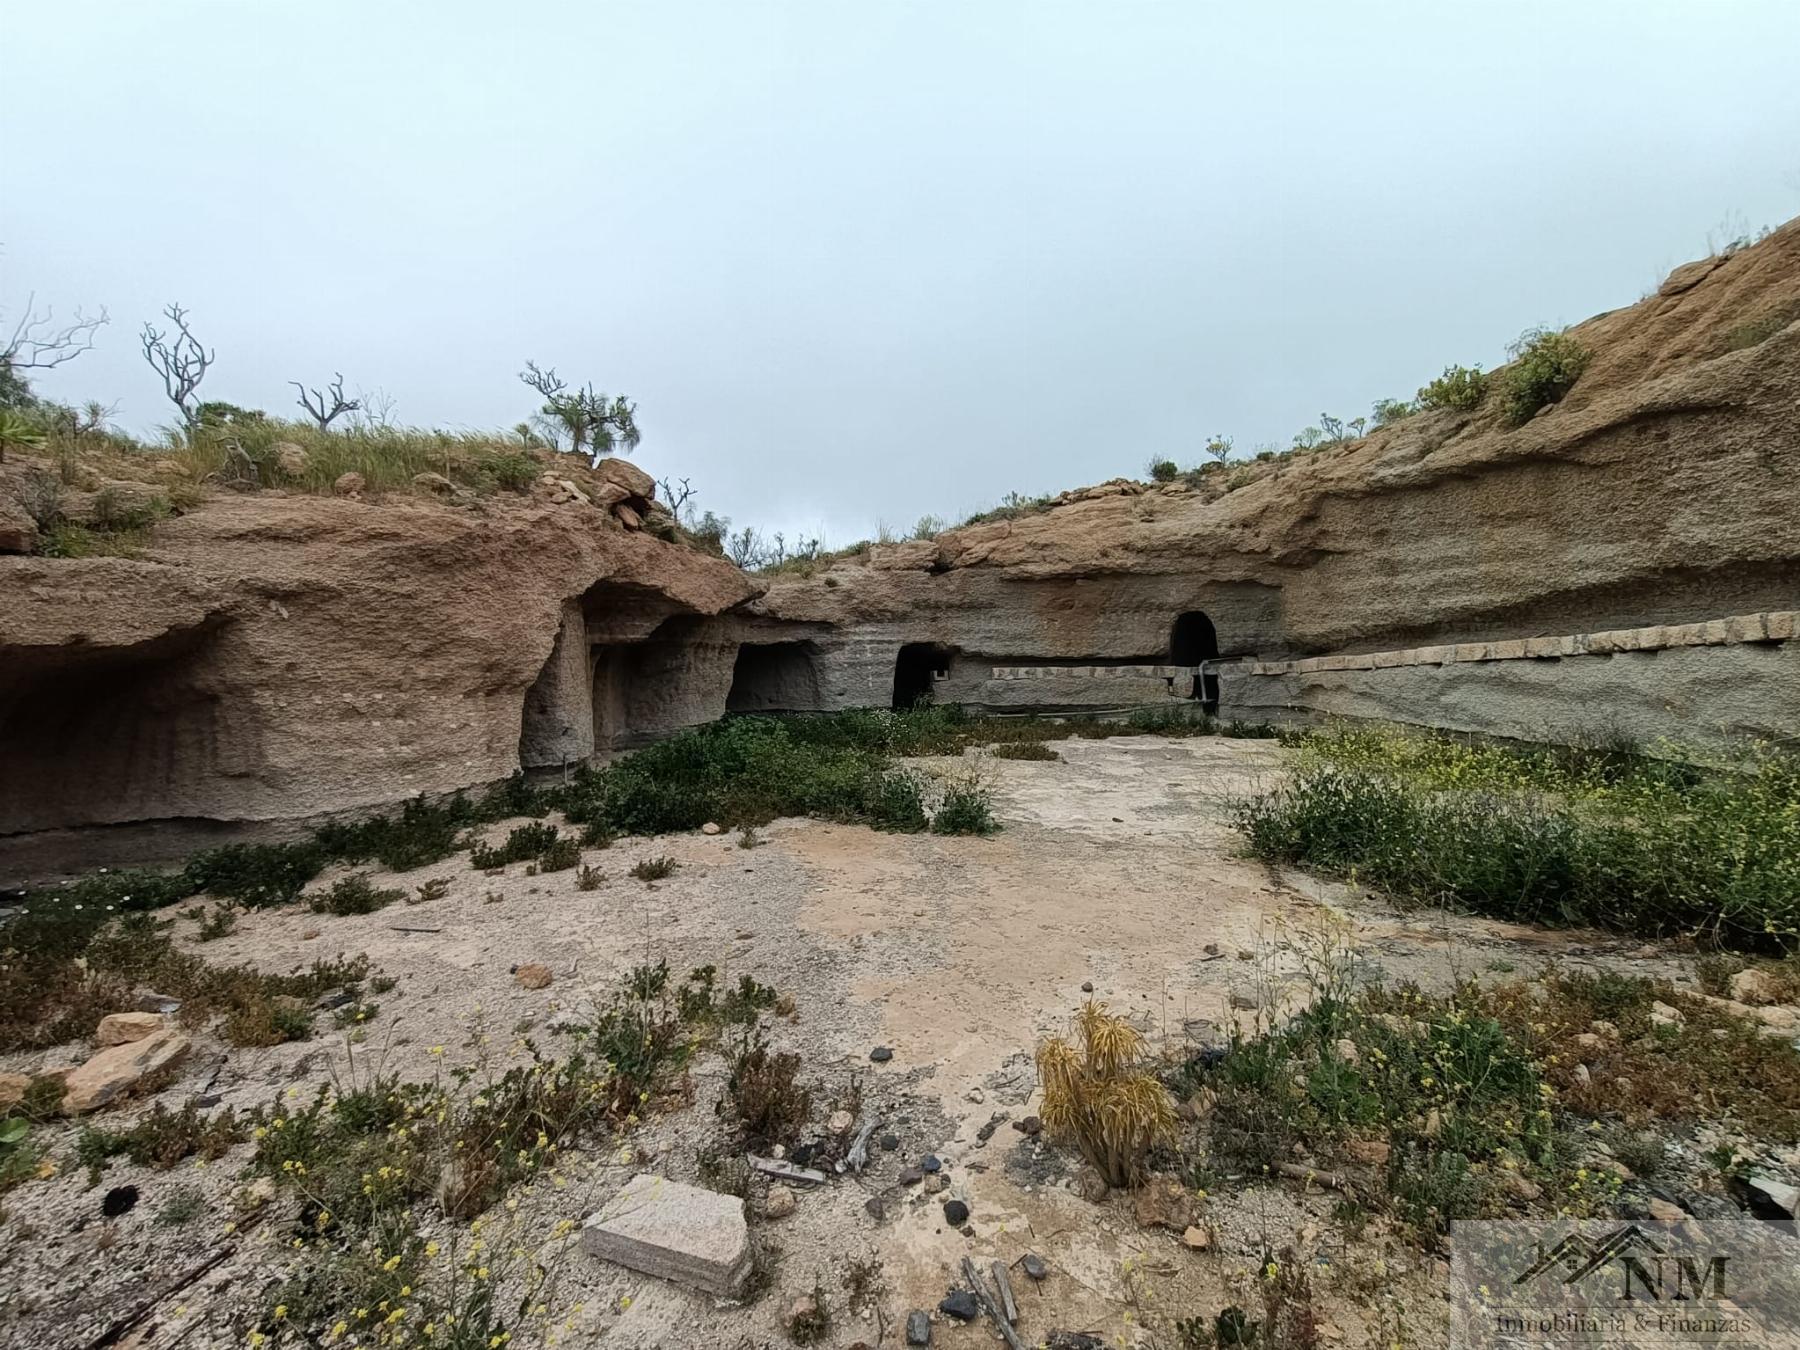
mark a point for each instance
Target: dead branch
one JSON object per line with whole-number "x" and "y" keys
{"x": 314, "y": 402}
{"x": 37, "y": 344}
{"x": 181, "y": 363}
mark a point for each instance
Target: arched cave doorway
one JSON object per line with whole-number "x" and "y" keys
{"x": 774, "y": 677}
{"x": 1191, "y": 641}
{"x": 914, "y": 671}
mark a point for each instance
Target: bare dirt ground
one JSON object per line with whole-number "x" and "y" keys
{"x": 1116, "y": 868}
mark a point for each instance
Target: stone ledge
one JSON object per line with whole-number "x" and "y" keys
{"x": 1771, "y": 626}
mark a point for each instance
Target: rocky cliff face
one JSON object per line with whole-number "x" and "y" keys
{"x": 274, "y": 658}
{"x": 1660, "y": 490}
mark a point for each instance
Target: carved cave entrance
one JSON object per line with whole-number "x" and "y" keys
{"x": 1193, "y": 640}
{"x": 915, "y": 671}
{"x": 774, "y": 677}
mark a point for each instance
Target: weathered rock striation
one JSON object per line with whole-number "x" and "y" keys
{"x": 278, "y": 658}
{"x": 1659, "y": 491}
{"x": 274, "y": 658}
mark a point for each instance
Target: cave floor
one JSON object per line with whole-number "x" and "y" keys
{"x": 1117, "y": 867}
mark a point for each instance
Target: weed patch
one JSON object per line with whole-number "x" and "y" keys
{"x": 1545, "y": 366}
{"x": 1549, "y": 836}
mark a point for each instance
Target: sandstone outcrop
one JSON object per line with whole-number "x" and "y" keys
{"x": 1657, "y": 492}
{"x": 273, "y": 658}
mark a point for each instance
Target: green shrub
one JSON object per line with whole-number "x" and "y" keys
{"x": 355, "y": 895}
{"x": 1164, "y": 470}
{"x": 1545, "y": 366}
{"x": 257, "y": 875}
{"x": 1388, "y": 411}
{"x": 513, "y": 470}
{"x": 654, "y": 869}
{"x": 967, "y": 808}
{"x": 525, "y": 842}
{"x": 560, "y": 856}
{"x": 1459, "y": 387}
{"x": 1563, "y": 836}
{"x": 1031, "y": 750}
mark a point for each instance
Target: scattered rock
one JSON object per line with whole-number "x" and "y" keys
{"x": 956, "y": 1213}
{"x": 910, "y": 1176}
{"x": 1029, "y": 1126}
{"x": 1243, "y": 1002}
{"x": 803, "y": 1318}
{"x": 1434, "y": 1124}
{"x": 918, "y": 1328}
{"x": 977, "y": 1096}
{"x": 1520, "y": 1187}
{"x": 1604, "y": 1028}
{"x": 1195, "y": 1239}
{"x": 1779, "y": 1199}
{"x": 434, "y": 483}
{"x": 1582, "y": 1074}
{"x": 931, "y": 1163}
{"x": 349, "y": 484}
{"x": 1755, "y": 987}
{"x": 13, "y": 1087}
{"x": 18, "y": 531}
{"x": 118, "y": 1201}
{"x": 1662, "y": 1015}
{"x": 1589, "y": 1040}
{"x": 675, "y": 1232}
{"x": 1090, "y": 1185}
{"x": 1369, "y": 1152}
{"x": 114, "y": 1072}
{"x": 308, "y": 934}
{"x": 257, "y": 1194}
{"x": 961, "y": 1305}
{"x": 533, "y": 976}
{"x": 994, "y": 1122}
{"x": 157, "y": 1003}
{"x": 1163, "y": 1202}
{"x": 290, "y": 459}
{"x": 1664, "y": 1212}
{"x": 124, "y": 1028}
{"x": 627, "y": 517}
{"x": 627, "y": 475}
{"x": 1034, "y": 1265}
{"x": 881, "y": 1054}
{"x": 1347, "y": 1051}
{"x": 840, "y": 1122}
{"x": 889, "y": 1142}
{"x": 711, "y": 827}
{"x": 1211, "y": 949}
{"x": 1087, "y": 986}
{"x": 779, "y": 1203}
{"x": 936, "y": 1182}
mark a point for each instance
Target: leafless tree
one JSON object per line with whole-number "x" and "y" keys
{"x": 314, "y": 402}
{"x": 38, "y": 343}
{"x": 677, "y": 498}
{"x": 181, "y": 363}
{"x": 375, "y": 408}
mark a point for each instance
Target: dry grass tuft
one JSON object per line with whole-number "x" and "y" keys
{"x": 1097, "y": 1095}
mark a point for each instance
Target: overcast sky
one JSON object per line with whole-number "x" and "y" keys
{"x": 859, "y": 261}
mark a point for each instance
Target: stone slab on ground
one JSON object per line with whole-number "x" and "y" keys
{"x": 114, "y": 1072}
{"x": 675, "y": 1232}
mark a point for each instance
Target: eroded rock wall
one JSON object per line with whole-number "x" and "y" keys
{"x": 1660, "y": 490}
{"x": 273, "y": 659}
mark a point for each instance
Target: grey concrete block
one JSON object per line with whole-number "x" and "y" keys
{"x": 681, "y": 1233}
